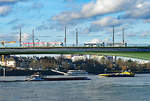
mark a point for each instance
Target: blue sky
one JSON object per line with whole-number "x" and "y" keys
{"x": 93, "y": 18}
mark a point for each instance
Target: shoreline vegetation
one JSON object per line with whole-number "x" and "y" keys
{"x": 45, "y": 72}
{"x": 92, "y": 66}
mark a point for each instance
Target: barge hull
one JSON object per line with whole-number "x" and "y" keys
{"x": 66, "y": 78}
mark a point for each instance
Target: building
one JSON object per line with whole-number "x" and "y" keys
{"x": 9, "y": 62}
{"x": 96, "y": 57}
{"x": 76, "y": 58}
{"x": 94, "y": 43}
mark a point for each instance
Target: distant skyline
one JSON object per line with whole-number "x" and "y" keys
{"x": 93, "y": 18}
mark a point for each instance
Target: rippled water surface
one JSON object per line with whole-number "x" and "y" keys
{"x": 98, "y": 89}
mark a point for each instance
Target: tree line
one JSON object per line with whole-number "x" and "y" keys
{"x": 90, "y": 65}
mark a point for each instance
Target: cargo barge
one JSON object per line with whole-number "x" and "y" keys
{"x": 38, "y": 77}
{"x": 122, "y": 74}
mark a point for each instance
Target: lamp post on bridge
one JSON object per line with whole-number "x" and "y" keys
{"x": 76, "y": 37}
{"x": 33, "y": 38}
{"x": 65, "y": 39}
{"x": 20, "y": 38}
{"x": 113, "y": 38}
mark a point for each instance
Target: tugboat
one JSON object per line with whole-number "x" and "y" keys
{"x": 122, "y": 74}
{"x": 35, "y": 77}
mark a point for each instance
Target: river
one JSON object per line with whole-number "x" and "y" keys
{"x": 97, "y": 89}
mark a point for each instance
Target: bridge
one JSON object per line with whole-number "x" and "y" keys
{"x": 58, "y": 50}
{"x": 135, "y": 52}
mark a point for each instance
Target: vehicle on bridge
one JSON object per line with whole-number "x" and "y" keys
{"x": 43, "y": 44}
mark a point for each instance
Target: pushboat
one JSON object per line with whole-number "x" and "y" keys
{"x": 122, "y": 74}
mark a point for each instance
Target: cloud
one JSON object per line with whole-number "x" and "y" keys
{"x": 145, "y": 34}
{"x": 101, "y": 7}
{"x": 93, "y": 9}
{"x": 4, "y": 10}
{"x": 105, "y": 25}
{"x": 96, "y": 12}
{"x": 36, "y": 6}
{"x": 60, "y": 36}
{"x": 15, "y": 37}
{"x": 131, "y": 34}
{"x": 7, "y": 37}
{"x": 25, "y": 37}
{"x": 15, "y": 27}
{"x": 108, "y": 22}
{"x": 13, "y": 21}
{"x": 10, "y": 2}
{"x": 66, "y": 17}
{"x": 127, "y": 9}
{"x": 147, "y": 20}
{"x": 6, "y": 6}
{"x": 85, "y": 31}
{"x": 140, "y": 11}
{"x": 42, "y": 27}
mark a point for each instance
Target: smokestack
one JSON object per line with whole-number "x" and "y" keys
{"x": 76, "y": 37}
{"x": 65, "y": 36}
{"x": 20, "y": 38}
{"x": 33, "y": 38}
{"x": 123, "y": 36}
{"x": 113, "y": 36}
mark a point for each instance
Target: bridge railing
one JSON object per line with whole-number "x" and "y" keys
{"x": 82, "y": 45}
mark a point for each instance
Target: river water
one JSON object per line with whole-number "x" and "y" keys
{"x": 97, "y": 89}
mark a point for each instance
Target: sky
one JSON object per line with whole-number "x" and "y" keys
{"x": 94, "y": 19}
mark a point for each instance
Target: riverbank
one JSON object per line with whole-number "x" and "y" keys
{"x": 27, "y": 72}
{"x": 45, "y": 72}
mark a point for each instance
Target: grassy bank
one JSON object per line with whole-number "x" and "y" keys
{"x": 138, "y": 55}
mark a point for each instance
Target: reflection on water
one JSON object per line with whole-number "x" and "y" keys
{"x": 98, "y": 89}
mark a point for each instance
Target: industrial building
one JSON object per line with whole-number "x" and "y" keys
{"x": 94, "y": 43}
